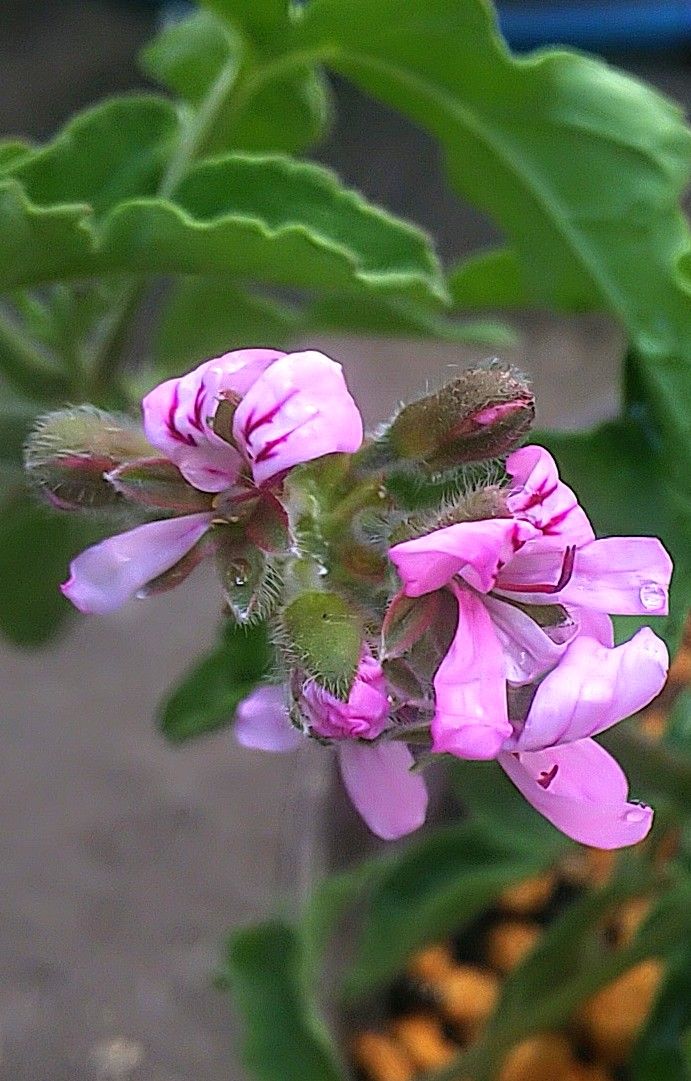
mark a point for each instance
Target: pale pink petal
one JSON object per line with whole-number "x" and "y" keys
{"x": 618, "y": 575}
{"x": 471, "y": 719}
{"x": 262, "y": 722}
{"x": 592, "y": 624}
{"x": 178, "y": 413}
{"x": 593, "y": 688}
{"x": 528, "y": 651}
{"x": 103, "y": 577}
{"x": 475, "y": 550}
{"x": 298, "y": 410}
{"x": 539, "y": 496}
{"x": 377, "y": 777}
{"x": 582, "y": 791}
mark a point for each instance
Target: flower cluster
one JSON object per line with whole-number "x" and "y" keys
{"x": 475, "y": 623}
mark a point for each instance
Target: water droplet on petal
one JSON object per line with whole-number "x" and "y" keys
{"x": 652, "y": 596}
{"x": 636, "y": 814}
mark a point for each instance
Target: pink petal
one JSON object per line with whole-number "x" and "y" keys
{"x": 262, "y": 722}
{"x": 528, "y": 651}
{"x": 619, "y": 575}
{"x": 471, "y": 719}
{"x": 475, "y": 550}
{"x": 582, "y": 791}
{"x": 298, "y": 410}
{"x": 593, "y": 688}
{"x": 594, "y": 624}
{"x": 177, "y": 416}
{"x": 539, "y": 496}
{"x": 108, "y": 574}
{"x": 377, "y": 777}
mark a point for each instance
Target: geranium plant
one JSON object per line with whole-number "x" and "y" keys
{"x": 438, "y": 590}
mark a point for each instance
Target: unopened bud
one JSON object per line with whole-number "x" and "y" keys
{"x": 482, "y": 414}
{"x": 70, "y": 451}
{"x": 157, "y": 482}
{"x": 250, "y": 582}
{"x": 322, "y": 634}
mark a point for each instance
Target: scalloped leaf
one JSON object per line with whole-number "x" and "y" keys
{"x": 266, "y": 218}
{"x": 116, "y": 150}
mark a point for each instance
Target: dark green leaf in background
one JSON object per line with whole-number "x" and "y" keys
{"x": 439, "y": 885}
{"x": 205, "y": 317}
{"x": 36, "y": 545}
{"x": 285, "y": 1037}
{"x": 621, "y": 482}
{"x": 661, "y": 1051}
{"x": 208, "y": 695}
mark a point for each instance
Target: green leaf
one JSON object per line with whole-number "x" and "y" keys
{"x": 286, "y": 1039}
{"x": 438, "y": 885}
{"x": 187, "y": 56}
{"x": 489, "y": 279}
{"x": 580, "y": 165}
{"x": 205, "y": 317}
{"x": 569, "y": 964}
{"x": 386, "y": 316}
{"x": 12, "y": 151}
{"x": 621, "y": 482}
{"x": 36, "y": 546}
{"x": 288, "y": 112}
{"x": 208, "y": 695}
{"x": 659, "y": 1054}
{"x": 266, "y": 218}
{"x": 114, "y": 151}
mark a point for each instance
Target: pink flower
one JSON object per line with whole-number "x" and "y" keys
{"x": 106, "y": 575}
{"x": 391, "y": 799}
{"x": 551, "y": 758}
{"x": 290, "y": 408}
{"x": 581, "y": 790}
{"x": 544, "y": 553}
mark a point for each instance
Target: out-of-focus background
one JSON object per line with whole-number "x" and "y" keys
{"x": 123, "y": 861}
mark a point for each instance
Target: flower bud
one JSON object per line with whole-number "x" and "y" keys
{"x": 363, "y": 716}
{"x": 69, "y": 452}
{"x": 322, "y": 634}
{"x": 481, "y": 414}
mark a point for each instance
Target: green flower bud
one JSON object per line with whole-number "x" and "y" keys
{"x": 322, "y": 634}
{"x": 70, "y": 451}
{"x": 481, "y": 414}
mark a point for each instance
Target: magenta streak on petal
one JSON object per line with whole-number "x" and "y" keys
{"x": 170, "y": 420}
{"x": 547, "y": 776}
{"x": 268, "y": 449}
{"x": 252, "y": 422}
{"x": 195, "y": 418}
{"x": 540, "y": 495}
{"x": 540, "y": 587}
